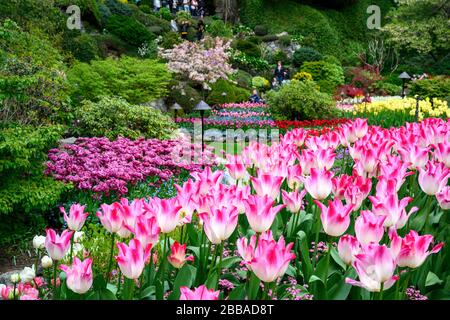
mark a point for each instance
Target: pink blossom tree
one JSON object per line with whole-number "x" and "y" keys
{"x": 203, "y": 62}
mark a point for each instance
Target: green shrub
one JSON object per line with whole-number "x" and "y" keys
{"x": 156, "y": 30}
{"x": 328, "y": 76}
{"x": 90, "y": 10}
{"x": 32, "y": 82}
{"x": 84, "y": 47}
{"x": 285, "y": 40}
{"x": 148, "y": 20}
{"x": 218, "y": 28}
{"x": 248, "y": 63}
{"x": 331, "y": 59}
{"x": 260, "y": 30}
{"x": 247, "y": 47}
{"x": 437, "y": 87}
{"x": 113, "y": 117}
{"x": 110, "y": 44}
{"x": 146, "y": 8}
{"x": 260, "y": 83}
{"x": 269, "y": 38}
{"x": 385, "y": 88}
{"x": 254, "y": 39}
{"x": 279, "y": 55}
{"x": 233, "y": 93}
{"x": 187, "y": 97}
{"x": 23, "y": 187}
{"x": 305, "y": 54}
{"x": 118, "y": 8}
{"x": 169, "y": 40}
{"x": 243, "y": 79}
{"x": 135, "y": 80}
{"x": 301, "y": 100}
{"x": 129, "y": 30}
{"x": 165, "y": 14}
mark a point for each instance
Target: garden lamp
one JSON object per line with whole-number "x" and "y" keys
{"x": 202, "y": 106}
{"x": 416, "y": 117}
{"x": 404, "y": 76}
{"x": 175, "y": 109}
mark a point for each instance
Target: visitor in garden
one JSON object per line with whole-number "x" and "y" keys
{"x": 156, "y": 5}
{"x": 180, "y": 5}
{"x": 194, "y": 7}
{"x": 201, "y": 8}
{"x": 184, "y": 28}
{"x": 279, "y": 72}
{"x": 200, "y": 29}
{"x": 255, "y": 98}
{"x": 287, "y": 74}
{"x": 187, "y": 5}
{"x": 274, "y": 84}
{"x": 173, "y": 6}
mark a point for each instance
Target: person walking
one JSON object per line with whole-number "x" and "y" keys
{"x": 156, "y": 5}
{"x": 194, "y": 7}
{"x": 200, "y": 29}
{"x": 187, "y": 5}
{"x": 184, "y": 28}
{"x": 279, "y": 72}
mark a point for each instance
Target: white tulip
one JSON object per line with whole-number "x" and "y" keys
{"x": 78, "y": 236}
{"x": 39, "y": 242}
{"x": 15, "y": 277}
{"x": 27, "y": 274}
{"x": 46, "y": 262}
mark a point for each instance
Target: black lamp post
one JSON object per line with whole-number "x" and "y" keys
{"x": 175, "y": 109}
{"x": 417, "y": 108}
{"x": 404, "y": 76}
{"x": 202, "y": 106}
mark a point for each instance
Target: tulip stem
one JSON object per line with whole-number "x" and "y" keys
{"x": 219, "y": 268}
{"x": 213, "y": 260}
{"x": 316, "y": 240}
{"x": 71, "y": 248}
{"x": 14, "y": 292}
{"x": 330, "y": 243}
{"x": 55, "y": 287}
{"x": 110, "y": 258}
{"x": 428, "y": 208}
{"x": 381, "y": 290}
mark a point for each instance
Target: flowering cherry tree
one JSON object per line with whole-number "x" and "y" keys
{"x": 204, "y": 62}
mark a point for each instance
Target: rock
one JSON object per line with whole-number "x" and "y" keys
{"x": 70, "y": 140}
{"x": 284, "y": 33}
{"x": 159, "y": 104}
{"x": 5, "y": 278}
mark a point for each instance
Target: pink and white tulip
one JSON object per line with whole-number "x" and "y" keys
{"x": 177, "y": 257}
{"x": 348, "y": 247}
{"x": 267, "y": 184}
{"x": 443, "y": 198}
{"x": 76, "y": 218}
{"x": 433, "y": 178}
{"x": 369, "y": 227}
{"x": 110, "y": 217}
{"x": 132, "y": 258}
{"x": 79, "y": 275}
{"x": 293, "y": 200}
{"x": 200, "y": 293}
{"x": 336, "y": 217}
{"x": 219, "y": 224}
{"x": 260, "y": 212}
{"x": 57, "y": 246}
{"x": 319, "y": 184}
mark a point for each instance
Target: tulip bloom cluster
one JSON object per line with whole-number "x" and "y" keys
{"x": 379, "y": 194}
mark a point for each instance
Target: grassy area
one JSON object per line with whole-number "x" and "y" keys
{"x": 230, "y": 147}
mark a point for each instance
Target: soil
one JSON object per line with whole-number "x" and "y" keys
{"x": 12, "y": 258}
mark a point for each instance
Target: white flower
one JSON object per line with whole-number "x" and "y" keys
{"x": 38, "y": 242}
{"x": 78, "y": 236}
{"x": 15, "y": 277}
{"x": 27, "y": 274}
{"x": 46, "y": 262}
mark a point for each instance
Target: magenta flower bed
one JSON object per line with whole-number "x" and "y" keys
{"x": 102, "y": 166}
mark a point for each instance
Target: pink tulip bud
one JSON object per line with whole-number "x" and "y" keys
{"x": 199, "y": 293}
{"x": 293, "y": 200}
{"x": 79, "y": 275}
{"x": 267, "y": 185}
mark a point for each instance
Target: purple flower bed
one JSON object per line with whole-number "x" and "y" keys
{"x": 102, "y": 166}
